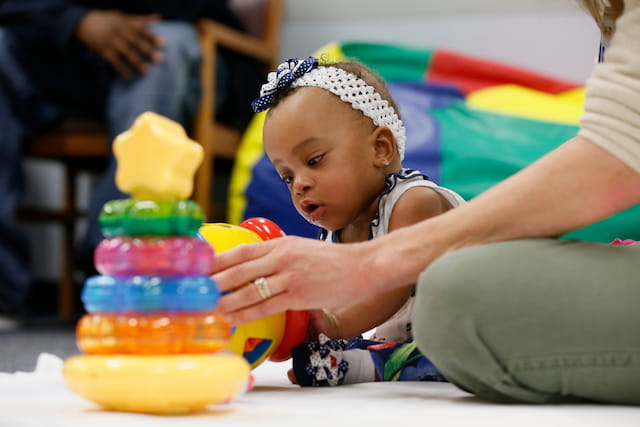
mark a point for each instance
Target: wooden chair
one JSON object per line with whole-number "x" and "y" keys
{"x": 217, "y": 139}
{"x": 80, "y": 144}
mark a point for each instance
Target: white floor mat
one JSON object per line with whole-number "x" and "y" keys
{"x": 40, "y": 398}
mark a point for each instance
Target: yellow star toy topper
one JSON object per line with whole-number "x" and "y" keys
{"x": 156, "y": 159}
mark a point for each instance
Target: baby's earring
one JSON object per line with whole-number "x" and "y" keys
{"x": 385, "y": 162}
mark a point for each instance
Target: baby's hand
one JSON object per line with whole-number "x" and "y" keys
{"x": 291, "y": 376}
{"x": 321, "y": 321}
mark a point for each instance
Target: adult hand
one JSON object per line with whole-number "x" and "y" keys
{"x": 124, "y": 40}
{"x": 301, "y": 274}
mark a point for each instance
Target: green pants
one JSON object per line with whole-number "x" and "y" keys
{"x": 540, "y": 320}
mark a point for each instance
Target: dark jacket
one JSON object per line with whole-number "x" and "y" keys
{"x": 50, "y": 24}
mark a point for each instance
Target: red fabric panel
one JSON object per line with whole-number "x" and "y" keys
{"x": 470, "y": 74}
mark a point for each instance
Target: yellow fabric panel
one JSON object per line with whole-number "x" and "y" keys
{"x": 574, "y": 95}
{"x": 331, "y": 52}
{"x": 522, "y": 102}
{"x": 250, "y": 150}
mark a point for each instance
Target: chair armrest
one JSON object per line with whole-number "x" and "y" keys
{"x": 213, "y": 33}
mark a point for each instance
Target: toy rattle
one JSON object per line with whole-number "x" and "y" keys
{"x": 272, "y": 337}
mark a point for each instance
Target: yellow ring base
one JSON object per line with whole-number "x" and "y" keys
{"x": 157, "y": 384}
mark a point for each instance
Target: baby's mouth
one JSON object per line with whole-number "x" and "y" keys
{"x": 309, "y": 208}
{"x": 312, "y": 211}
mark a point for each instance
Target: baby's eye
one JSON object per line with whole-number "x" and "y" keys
{"x": 287, "y": 179}
{"x": 315, "y": 160}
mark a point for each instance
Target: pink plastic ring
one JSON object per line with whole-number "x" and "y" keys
{"x": 154, "y": 256}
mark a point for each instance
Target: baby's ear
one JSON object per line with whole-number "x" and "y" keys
{"x": 384, "y": 146}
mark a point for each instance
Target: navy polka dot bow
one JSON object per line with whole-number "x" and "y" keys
{"x": 287, "y": 73}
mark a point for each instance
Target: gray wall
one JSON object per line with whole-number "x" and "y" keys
{"x": 555, "y": 37}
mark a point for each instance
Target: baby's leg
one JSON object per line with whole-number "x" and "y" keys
{"x": 357, "y": 360}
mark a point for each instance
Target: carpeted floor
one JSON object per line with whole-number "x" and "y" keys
{"x": 19, "y": 349}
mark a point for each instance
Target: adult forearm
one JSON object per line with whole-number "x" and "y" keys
{"x": 571, "y": 187}
{"x": 575, "y": 185}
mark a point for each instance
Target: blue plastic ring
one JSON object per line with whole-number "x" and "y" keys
{"x": 108, "y": 294}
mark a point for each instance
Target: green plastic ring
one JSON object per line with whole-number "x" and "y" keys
{"x": 150, "y": 217}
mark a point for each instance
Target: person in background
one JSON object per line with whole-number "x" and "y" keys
{"x": 335, "y": 137}
{"x": 107, "y": 59}
{"x": 504, "y": 308}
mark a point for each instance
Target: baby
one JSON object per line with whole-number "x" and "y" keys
{"x": 334, "y": 135}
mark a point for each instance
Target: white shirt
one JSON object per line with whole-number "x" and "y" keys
{"x": 398, "y": 327}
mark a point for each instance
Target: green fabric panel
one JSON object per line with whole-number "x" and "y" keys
{"x": 479, "y": 149}
{"x": 393, "y": 63}
{"x": 623, "y": 225}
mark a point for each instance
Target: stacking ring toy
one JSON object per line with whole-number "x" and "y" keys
{"x": 108, "y": 294}
{"x": 157, "y": 384}
{"x": 154, "y": 256}
{"x": 150, "y": 217}
{"x": 157, "y": 333}
{"x": 153, "y": 341}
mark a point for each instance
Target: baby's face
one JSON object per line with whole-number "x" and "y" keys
{"x": 324, "y": 151}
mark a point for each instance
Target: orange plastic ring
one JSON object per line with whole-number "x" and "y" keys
{"x": 153, "y": 333}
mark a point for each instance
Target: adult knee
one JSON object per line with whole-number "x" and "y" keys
{"x": 180, "y": 42}
{"x": 171, "y": 87}
{"x": 444, "y": 301}
{"x": 471, "y": 291}
{"x": 454, "y": 298}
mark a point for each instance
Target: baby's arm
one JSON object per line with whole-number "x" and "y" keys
{"x": 416, "y": 204}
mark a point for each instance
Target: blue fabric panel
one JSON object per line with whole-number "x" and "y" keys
{"x": 415, "y": 101}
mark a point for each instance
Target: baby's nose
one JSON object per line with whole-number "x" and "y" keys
{"x": 301, "y": 184}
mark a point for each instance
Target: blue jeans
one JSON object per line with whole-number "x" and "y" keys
{"x": 36, "y": 91}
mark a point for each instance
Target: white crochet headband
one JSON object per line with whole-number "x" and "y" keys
{"x": 352, "y": 89}
{"x": 345, "y": 85}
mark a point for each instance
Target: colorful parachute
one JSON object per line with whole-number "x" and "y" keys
{"x": 470, "y": 124}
